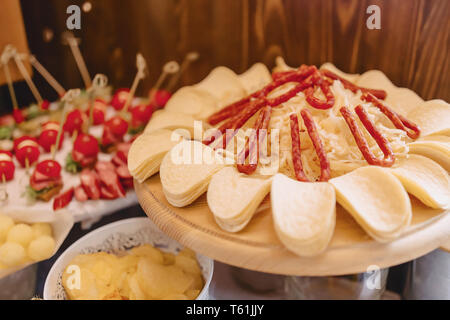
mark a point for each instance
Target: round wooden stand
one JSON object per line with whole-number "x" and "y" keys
{"x": 257, "y": 247}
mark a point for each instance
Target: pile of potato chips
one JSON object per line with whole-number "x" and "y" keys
{"x": 143, "y": 273}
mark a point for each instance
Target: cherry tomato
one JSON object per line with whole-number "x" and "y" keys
{"x": 45, "y": 105}
{"x": 160, "y": 98}
{"x": 18, "y": 116}
{"x": 120, "y": 98}
{"x": 140, "y": 115}
{"x": 18, "y": 141}
{"x": 74, "y": 121}
{"x": 86, "y": 144}
{"x": 50, "y": 168}
{"x": 48, "y": 136}
{"x": 98, "y": 112}
{"x": 117, "y": 125}
{"x": 31, "y": 153}
{"x": 7, "y": 166}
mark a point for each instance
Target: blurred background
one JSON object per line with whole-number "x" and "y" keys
{"x": 411, "y": 47}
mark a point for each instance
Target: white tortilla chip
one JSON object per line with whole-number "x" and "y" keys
{"x": 435, "y": 150}
{"x": 224, "y": 85}
{"x": 147, "y": 152}
{"x": 186, "y": 170}
{"x": 304, "y": 214}
{"x": 233, "y": 197}
{"x": 375, "y": 79}
{"x": 377, "y": 201}
{"x": 424, "y": 179}
{"x": 194, "y": 102}
{"x": 164, "y": 119}
{"x": 433, "y": 117}
{"x": 255, "y": 78}
{"x": 403, "y": 100}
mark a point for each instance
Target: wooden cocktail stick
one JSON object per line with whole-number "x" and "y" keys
{"x": 47, "y": 76}
{"x": 170, "y": 67}
{"x": 100, "y": 81}
{"x": 3, "y": 193}
{"x": 5, "y": 57}
{"x": 68, "y": 98}
{"x": 24, "y": 72}
{"x": 188, "y": 59}
{"x": 141, "y": 66}
{"x": 73, "y": 42}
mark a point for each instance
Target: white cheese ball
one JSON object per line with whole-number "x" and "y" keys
{"x": 21, "y": 234}
{"x": 41, "y": 229}
{"x": 12, "y": 254}
{"x": 41, "y": 248}
{"x": 6, "y": 223}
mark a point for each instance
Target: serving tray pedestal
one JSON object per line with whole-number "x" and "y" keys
{"x": 257, "y": 247}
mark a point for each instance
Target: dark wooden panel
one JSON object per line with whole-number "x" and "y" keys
{"x": 411, "y": 47}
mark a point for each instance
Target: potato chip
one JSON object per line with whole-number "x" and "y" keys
{"x": 149, "y": 252}
{"x": 143, "y": 272}
{"x": 159, "y": 281}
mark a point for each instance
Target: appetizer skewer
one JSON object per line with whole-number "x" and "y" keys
{"x": 5, "y": 57}
{"x": 43, "y": 104}
{"x": 26, "y": 150}
{"x": 7, "y": 169}
{"x": 115, "y": 129}
{"x": 158, "y": 97}
{"x": 69, "y": 39}
{"x": 48, "y": 136}
{"x": 47, "y": 76}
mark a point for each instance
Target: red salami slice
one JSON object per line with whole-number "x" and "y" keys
{"x": 123, "y": 172}
{"x": 80, "y": 194}
{"x": 104, "y": 166}
{"x": 90, "y": 183}
{"x": 107, "y": 194}
{"x": 63, "y": 200}
{"x": 118, "y": 161}
{"x": 111, "y": 182}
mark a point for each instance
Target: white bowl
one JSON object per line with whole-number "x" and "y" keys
{"x": 119, "y": 236}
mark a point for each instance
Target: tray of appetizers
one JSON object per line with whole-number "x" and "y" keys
{"x": 303, "y": 171}
{"x": 87, "y": 173}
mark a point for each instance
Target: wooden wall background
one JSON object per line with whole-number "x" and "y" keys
{"x": 412, "y": 47}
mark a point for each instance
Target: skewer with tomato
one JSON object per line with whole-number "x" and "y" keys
{"x": 7, "y": 166}
{"x": 74, "y": 122}
{"x": 46, "y": 181}
{"x": 84, "y": 154}
{"x": 98, "y": 112}
{"x": 114, "y": 131}
{"x": 140, "y": 115}
{"x": 48, "y": 136}
{"x": 26, "y": 150}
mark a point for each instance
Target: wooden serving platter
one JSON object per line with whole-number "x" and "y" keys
{"x": 257, "y": 247}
